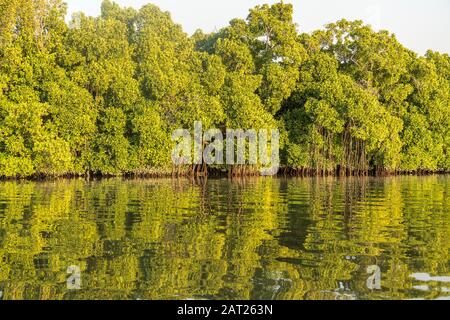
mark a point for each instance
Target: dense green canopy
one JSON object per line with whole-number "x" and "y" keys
{"x": 102, "y": 95}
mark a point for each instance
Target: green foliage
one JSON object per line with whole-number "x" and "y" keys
{"x": 103, "y": 94}
{"x": 368, "y": 104}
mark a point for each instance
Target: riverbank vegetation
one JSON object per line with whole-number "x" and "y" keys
{"x": 101, "y": 96}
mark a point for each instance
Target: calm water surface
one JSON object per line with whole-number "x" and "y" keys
{"x": 250, "y": 239}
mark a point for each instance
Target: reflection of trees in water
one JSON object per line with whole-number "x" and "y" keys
{"x": 249, "y": 238}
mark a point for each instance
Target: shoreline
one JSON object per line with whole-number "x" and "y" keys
{"x": 218, "y": 174}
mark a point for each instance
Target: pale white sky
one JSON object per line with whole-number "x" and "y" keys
{"x": 418, "y": 24}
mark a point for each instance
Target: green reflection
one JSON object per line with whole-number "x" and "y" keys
{"x": 247, "y": 239}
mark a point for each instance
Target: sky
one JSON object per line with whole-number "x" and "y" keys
{"x": 418, "y": 24}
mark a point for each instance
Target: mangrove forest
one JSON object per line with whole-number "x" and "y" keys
{"x": 102, "y": 95}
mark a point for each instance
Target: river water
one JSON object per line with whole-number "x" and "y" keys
{"x": 266, "y": 238}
